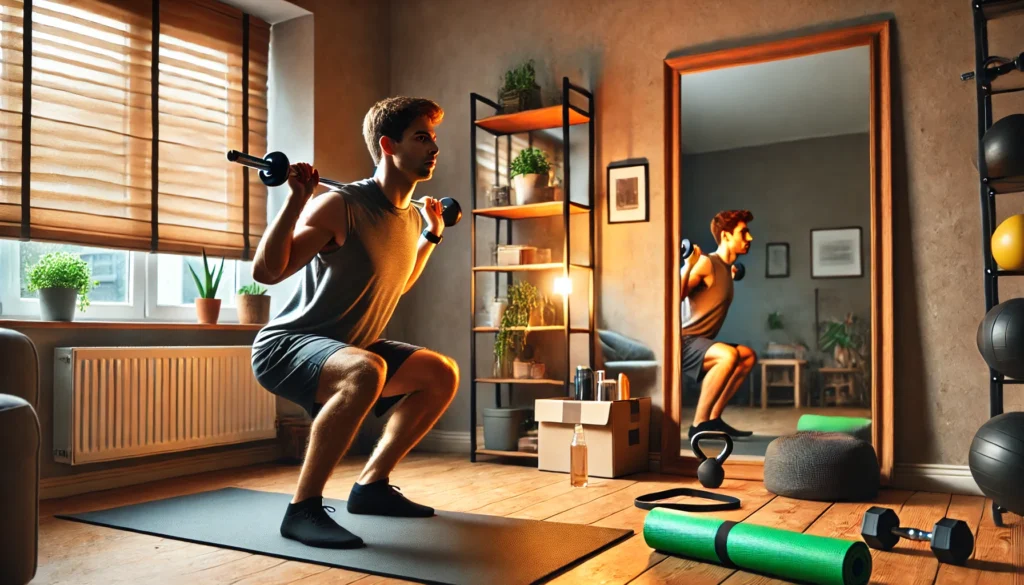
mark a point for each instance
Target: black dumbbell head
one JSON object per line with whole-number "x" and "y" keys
{"x": 876, "y": 528}
{"x": 741, "y": 271}
{"x": 952, "y": 541}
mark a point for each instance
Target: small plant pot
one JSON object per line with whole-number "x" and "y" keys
{"x": 520, "y": 100}
{"x": 253, "y": 309}
{"x": 537, "y": 371}
{"x": 57, "y": 304}
{"x": 521, "y": 370}
{"x": 530, "y": 188}
{"x": 208, "y": 311}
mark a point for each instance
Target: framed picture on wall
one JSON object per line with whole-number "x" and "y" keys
{"x": 777, "y": 261}
{"x": 629, "y": 194}
{"x": 836, "y": 253}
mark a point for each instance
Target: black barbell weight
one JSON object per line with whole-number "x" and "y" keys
{"x": 741, "y": 271}
{"x": 710, "y": 472}
{"x": 275, "y": 169}
{"x": 952, "y": 540}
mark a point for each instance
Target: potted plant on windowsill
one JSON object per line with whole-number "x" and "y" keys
{"x": 207, "y": 304}
{"x": 61, "y": 278}
{"x": 530, "y": 175}
{"x": 511, "y": 337}
{"x": 520, "y": 90}
{"x": 253, "y": 304}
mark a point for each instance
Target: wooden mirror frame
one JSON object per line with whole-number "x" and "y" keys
{"x": 876, "y": 36}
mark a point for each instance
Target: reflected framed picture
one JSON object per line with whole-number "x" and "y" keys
{"x": 836, "y": 253}
{"x": 777, "y": 262}
{"x": 629, "y": 194}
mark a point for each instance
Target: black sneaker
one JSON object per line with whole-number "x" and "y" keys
{"x": 308, "y": 523}
{"x": 718, "y": 424}
{"x": 383, "y": 499}
{"x": 704, "y": 426}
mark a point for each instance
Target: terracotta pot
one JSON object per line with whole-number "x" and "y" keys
{"x": 208, "y": 311}
{"x": 253, "y": 309}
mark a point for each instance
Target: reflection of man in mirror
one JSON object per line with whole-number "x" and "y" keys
{"x": 707, "y": 291}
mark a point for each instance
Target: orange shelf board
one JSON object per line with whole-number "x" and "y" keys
{"x": 520, "y": 381}
{"x": 530, "y": 210}
{"x": 529, "y": 120}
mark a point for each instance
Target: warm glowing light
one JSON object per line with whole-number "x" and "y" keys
{"x": 563, "y": 285}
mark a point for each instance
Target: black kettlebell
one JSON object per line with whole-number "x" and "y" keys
{"x": 710, "y": 472}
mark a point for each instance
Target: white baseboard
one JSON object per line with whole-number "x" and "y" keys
{"x": 926, "y": 477}
{"x": 438, "y": 441}
{"x": 93, "y": 481}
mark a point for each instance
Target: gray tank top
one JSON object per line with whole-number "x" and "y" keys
{"x": 349, "y": 293}
{"x": 705, "y": 309}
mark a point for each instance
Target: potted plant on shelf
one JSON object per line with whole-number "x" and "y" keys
{"x": 61, "y": 278}
{"x": 511, "y": 337}
{"x": 253, "y": 304}
{"x": 520, "y": 90}
{"x": 207, "y": 304}
{"x": 530, "y": 175}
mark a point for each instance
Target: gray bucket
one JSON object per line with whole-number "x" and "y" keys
{"x": 57, "y": 304}
{"x": 503, "y": 427}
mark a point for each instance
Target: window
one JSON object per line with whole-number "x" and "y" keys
{"x": 94, "y": 164}
{"x": 132, "y": 285}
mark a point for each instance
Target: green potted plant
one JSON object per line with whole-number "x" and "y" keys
{"x": 512, "y": 331}
{"x": 843, "y": 340}
{"x": 253, "y": 304}
{"x": 519, "y": 90}
{"x": 207, "y": 304}
{"x": 530, "y": 175}
{"x": 61, "y": 278}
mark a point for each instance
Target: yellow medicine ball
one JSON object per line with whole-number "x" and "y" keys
{"x": 1008, "y": 243}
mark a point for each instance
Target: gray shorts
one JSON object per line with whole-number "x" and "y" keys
{"x": 289, "y": 366}
{"x": 694, "y": 348}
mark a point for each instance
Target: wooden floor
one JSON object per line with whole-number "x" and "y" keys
{"x": 73, "y": 552}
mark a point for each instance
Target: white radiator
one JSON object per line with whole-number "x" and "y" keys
{"x": 120, "y": 402}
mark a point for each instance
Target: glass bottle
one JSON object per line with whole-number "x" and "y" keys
{"x": 578, "y": 458}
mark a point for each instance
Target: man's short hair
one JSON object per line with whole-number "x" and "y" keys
{"x": 391, "y": 117}
{"x": 726, "y": 221}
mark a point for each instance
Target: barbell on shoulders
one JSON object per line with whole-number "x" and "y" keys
{"x": 275, "y": 169}
{"x": 687, "y": 251}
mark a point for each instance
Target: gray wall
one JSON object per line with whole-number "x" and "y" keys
{"x": 790, "y": 188}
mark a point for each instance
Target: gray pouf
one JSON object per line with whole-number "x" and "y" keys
{"x": 821, "y": 466}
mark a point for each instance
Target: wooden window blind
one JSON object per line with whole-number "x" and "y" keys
{"x": 95, "y": 135}
{"x": 91, "y": 122}
{"x": 11, "y": 94}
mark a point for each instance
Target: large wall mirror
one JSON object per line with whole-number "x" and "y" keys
{"x": 779, "y": 309}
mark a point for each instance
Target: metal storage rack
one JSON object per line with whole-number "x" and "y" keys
{"x": 564, "y": 116}
{"x": 983, "y": 75}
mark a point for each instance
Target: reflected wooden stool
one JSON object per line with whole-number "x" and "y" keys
{"x": 838, "y": 379}
{"x": 791, "y": 370}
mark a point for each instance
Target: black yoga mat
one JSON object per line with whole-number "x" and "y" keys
{"x": 450, "y": 548}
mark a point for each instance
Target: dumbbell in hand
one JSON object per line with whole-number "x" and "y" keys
{"x": 952, "y": 540}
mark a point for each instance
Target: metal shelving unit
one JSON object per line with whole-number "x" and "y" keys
{"x": 984, "y": 75}
{"x": 564, "y": 116}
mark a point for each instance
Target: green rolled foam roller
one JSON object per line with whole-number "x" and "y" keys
{"x": 760, "y": 549}
{"x": 831, "y": 424}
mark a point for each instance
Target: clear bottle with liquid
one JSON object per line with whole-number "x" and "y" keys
{"x": 578, "y": 458}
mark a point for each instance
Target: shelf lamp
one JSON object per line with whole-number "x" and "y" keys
{"x": 563, "y": 286}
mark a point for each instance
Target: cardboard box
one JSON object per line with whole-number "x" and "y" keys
{"x": 616, "y": 434}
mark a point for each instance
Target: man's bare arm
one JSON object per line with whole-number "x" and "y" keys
{"x": 282, "y": 253}
{"x": 690, "y": 278}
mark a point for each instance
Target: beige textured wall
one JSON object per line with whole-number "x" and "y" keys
{"x": 445, "y": 50}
